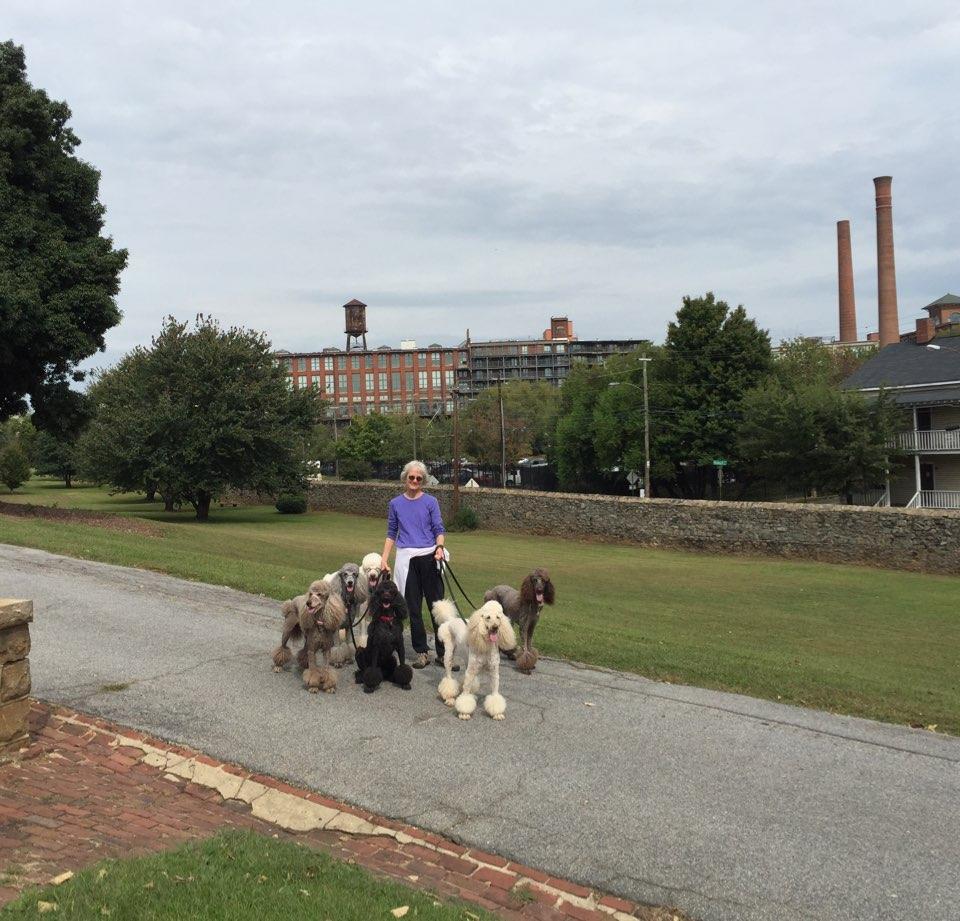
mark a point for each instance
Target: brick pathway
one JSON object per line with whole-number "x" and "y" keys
{"x": 86, "y": 789}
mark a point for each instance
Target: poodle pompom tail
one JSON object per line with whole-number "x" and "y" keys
{"x": 495, "y": 705}
{"x": 527, "y": 660}
{"x": 448, "y": 689}
{"x": 444, "y": 610}
{"x": 465, "y": 705}
{"x": 281, "y": 656}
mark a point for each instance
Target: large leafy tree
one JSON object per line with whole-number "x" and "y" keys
{"x": 201, "y": 411}
{"x": 816, "y": 438}
{"x": 805, "y": 361}
{"x": 712, "y": 356}
{"x": 59, "y": 275}
{"x": 60, "y": 416}
{"x": 529, "y": 421}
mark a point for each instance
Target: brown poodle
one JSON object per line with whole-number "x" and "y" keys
{"x": 524, "y": 608}
{"x": 316, "y": 616}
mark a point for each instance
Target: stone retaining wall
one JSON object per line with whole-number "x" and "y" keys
{"x": 918, "y": 539}
{"x": 14, "y": 674}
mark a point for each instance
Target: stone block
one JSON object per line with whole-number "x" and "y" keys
{"x": 14, "y": 680}
{"x": 14, "y": 643}
{"x": 13, "y": 720}
{"x": 14, "y": 611}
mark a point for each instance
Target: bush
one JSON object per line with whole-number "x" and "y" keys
{"x": 465, "y": 520}
{"x": 355, "y": 468}
{"x": 291, "y": 505}
{"x": 14, "y": 466}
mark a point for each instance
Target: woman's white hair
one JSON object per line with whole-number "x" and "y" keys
{"x": 414, "y": 465}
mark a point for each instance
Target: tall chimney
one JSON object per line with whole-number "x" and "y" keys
{"x": 886, "y": 273}
{"x": 848, "y": 307}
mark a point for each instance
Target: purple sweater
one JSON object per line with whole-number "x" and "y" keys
{"x": 414, "y": 522}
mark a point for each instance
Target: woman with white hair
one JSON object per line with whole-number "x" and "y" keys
{"x": 415, "y": 527}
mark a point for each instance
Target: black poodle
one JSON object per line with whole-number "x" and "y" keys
{"x": 375, "y": 662}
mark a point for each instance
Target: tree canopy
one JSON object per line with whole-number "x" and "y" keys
{"x": 59, "y": 275}
{"x": 199, "y": 412}
{"x": 529, "y": 421}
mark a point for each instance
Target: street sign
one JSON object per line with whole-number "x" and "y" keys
{"x": 633, "y": 477}
{"x": 719, "y": 462}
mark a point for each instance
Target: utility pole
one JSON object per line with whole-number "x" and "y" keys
{"x": 646, "y": 433}
{"x": 336, "y": 455}
{"x": 456, "y": 453}
{"x": 503, "y": 438}
{"x": 414, "y": 417}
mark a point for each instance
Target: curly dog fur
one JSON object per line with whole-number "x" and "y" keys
{"x": 524, "y": 608}
{"x": 383, "y": 656}
{"x": 353, "y": 590}
{"x": 484, "y": 635}
{"x": 316, "y": 616}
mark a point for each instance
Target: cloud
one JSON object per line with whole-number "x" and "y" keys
{"x": 487, "y": 165}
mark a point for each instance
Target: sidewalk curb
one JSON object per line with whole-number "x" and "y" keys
{"x": 297, "y": 810}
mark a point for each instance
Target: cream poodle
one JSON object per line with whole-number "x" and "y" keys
{"x": 484, "y": 635}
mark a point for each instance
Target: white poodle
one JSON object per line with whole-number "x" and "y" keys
{"x": 483, "y": 636}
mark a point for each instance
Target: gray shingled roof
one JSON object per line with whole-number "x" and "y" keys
{"x": 944, "y": 301}
{"x": 906, "y": 363}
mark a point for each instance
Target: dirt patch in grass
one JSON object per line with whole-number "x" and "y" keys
{"x": 77, "y": 516}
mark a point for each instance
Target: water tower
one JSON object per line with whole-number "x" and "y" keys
{"x": 356, "y": 322}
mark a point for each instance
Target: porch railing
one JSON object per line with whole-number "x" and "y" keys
{"x": 932, "y": 440}
{"x": 935, "y": 498}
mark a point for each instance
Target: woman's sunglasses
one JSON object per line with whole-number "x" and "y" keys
{"x": 413, "y": 477}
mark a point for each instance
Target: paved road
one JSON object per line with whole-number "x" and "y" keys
{"x": 725, "y": 806}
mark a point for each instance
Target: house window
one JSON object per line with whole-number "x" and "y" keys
{"x": 924, "y": 419}
{"x": 382, "y": 378}
{"x": 315, "y": 363}
{"x": 423, "y": 380}
{"x": 368, "y": 380}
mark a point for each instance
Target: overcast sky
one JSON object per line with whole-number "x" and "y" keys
{"x": 483, "y": 164}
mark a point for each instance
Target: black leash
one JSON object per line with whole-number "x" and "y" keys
{"x": 448, "y": 573}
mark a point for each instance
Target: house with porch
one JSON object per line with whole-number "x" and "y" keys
{"x": 922, "y": 374}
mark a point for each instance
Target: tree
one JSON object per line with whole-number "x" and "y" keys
{"x": 60, "y": 416}
{"x": 199, "y": 412}
{"x": 712, "y": 356}
{"x": 59, "y": 275}
{"x": 806, "y": 361}
{"x": 14, "y": 466}
{"x": 529, "y": 420}
{"x": 19, "y": 430}
{"x": 816, "y": 438}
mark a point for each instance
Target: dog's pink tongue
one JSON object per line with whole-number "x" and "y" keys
{"x": 540, "y": 597}
{"x": 492, "y": 637}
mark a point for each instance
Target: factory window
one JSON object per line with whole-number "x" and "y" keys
{"x": 448, "y": 377}
{"x": 354, "y": 383}
{"x": 342, "y": 383}
{"x": 382, "y": 379}
{"x": 327, "y": 362}
{"x": 315, "y": 363}
{"x": 408, "y": 360}
{"x": 436, "y": 380}
{"x": 395, "y": 381}
{"x": 395, "y": 360}
{"x": 381, "y": 360}
{"x": 302, "y": 381}
{"x": 368, "y": 380}
{"x": 422, "y": 380}
{"x": 408, "y": 381}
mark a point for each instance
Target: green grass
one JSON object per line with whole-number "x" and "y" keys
{"x": 235, "y": 876}
{"x": 870, "y": 642}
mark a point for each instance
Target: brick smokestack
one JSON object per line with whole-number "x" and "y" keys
{"x": 848, "y": 307}
{"x": 886, "y": 273}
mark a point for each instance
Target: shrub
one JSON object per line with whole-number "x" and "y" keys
{"x": 14, "y": 466}
{"x": 291, "y": 504}
{"x": 465, "y": 520}
{"x": 355, "y": 468}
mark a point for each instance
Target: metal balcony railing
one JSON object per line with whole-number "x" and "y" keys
{"x": 932, "y": 440}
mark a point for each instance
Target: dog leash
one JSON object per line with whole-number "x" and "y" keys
{"x": 448, "y": 573}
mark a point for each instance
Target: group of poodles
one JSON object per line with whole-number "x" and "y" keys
{"x": 357, "y": 614}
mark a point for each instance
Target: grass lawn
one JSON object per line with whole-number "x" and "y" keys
{"x": 235, "y": 876}
{"x": 870, "y": 642}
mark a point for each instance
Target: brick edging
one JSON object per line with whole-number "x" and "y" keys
{"x": 476, "y": 875}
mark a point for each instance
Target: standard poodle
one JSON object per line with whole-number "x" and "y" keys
{"x": 524, "y": 609}
{"x": 316, "y": 616}
{"x": 383, "y": 656}
{"x": 353, "y": 591}
{"x": 484, "y": 635}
